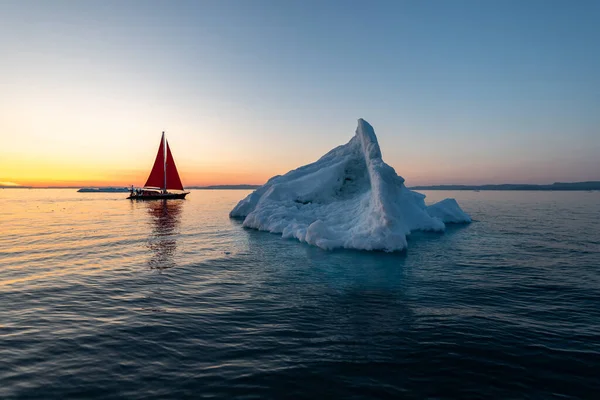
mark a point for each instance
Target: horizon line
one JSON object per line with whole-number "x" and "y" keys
{"x": 17, "y": 186}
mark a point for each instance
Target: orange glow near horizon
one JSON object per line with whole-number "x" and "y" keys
{"x": 75, "y": 145}
{"x": 136, "y": 178}
{"x": 44, "y": 173}
{"x": 39, "y": 172}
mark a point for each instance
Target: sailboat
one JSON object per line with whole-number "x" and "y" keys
{"x": 163, "y": 182}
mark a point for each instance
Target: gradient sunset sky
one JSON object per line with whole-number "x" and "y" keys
{"x": 463, "y": 92}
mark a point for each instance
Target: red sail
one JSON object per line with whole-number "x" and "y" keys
{"x": 173, "y": 181}
{"x": 157, "y": 175}
{"x": 156, "y": 178}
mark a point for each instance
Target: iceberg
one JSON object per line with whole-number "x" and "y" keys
{"x": 350, "y": 198}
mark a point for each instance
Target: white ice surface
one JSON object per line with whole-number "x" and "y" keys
{"x": 349, "y": 198}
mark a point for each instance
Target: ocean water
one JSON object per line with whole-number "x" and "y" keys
{"x": 101, "y": 297}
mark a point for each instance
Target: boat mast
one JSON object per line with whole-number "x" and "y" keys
{"x": 164, "y": 143}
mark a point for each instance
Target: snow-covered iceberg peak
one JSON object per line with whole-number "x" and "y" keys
{"x": 349, "y": 198}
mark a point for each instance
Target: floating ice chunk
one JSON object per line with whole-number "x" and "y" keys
{"x": 349, "y": 198}
{"x": 448, "y": 211}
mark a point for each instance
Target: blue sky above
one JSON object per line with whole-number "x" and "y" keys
{"x": 458, "y": 91}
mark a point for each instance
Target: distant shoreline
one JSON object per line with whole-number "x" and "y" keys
{"x": 104, "y": 189}
{"x": 221, "y": 187}
{"x": 557, "y": 186}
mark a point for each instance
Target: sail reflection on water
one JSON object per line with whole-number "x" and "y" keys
{"x": 164, "y": 221}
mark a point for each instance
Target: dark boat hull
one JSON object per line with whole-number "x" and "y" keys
{"x": 159, "y": 196}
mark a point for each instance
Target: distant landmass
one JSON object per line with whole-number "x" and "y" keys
{"x": 103, "y": 190}
{"x": 590, "y": 185}
{"x": 124, "y": 189}
{"x": 243, "y": 187}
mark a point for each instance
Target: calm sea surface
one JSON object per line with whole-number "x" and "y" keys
{"x": 101, "y": 297}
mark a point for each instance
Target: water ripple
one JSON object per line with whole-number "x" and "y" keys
{"x": 105, "y": 298}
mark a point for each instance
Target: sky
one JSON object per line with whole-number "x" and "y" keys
{"x": 459, "y": 92}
